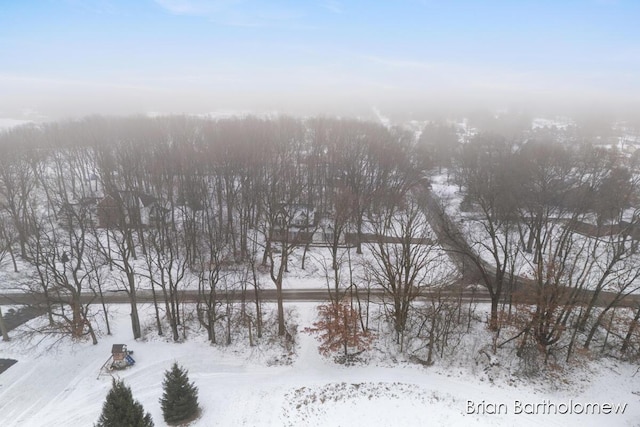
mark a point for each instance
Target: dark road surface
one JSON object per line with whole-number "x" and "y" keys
{"x": 33, "y": 305}
{"x": 6, "y": 364}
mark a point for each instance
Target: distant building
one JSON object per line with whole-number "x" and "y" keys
{"x": 294, "y": 223}
{"x": 71, "y": 214}
{"x": 129, "y": 208}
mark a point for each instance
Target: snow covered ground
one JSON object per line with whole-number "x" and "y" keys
{"x": 58, "y": 385}
{"x": 6, "y": 123}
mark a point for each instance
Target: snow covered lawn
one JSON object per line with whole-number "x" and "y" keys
{"x": 238, "y": 386}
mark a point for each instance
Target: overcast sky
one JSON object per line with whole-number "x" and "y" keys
{"x": 65, "y": 58}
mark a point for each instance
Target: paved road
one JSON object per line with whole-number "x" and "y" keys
{"x": 451, "y": 238}
{"x": 267, "y": 295}
{"x": 33, "y": 305}
{"x": 15, "y": 318}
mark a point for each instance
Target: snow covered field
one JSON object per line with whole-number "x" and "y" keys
{"x": 6, "y": 123}
{"x": 241, "y": 386}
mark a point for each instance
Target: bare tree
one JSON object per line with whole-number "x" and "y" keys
{"x": 59, "y": 254}
{"x": 5, "y": 248}
{"x": 405, "y": 259}
{"x": 210, "y": 270}
{"x": 280, "y": 202}
{"x": 437, "y": 145}
{"x": 17, "y": 182}
{"x": 167, "y": 268}
{"x": 118, "y": 251}
{"x": 439, "y": 325}
{"x": 491, "y": 184}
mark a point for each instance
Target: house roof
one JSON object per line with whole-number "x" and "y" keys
{"x": 146, "y": 199}
{"x": 108, "y": 200}
{"x": 128, "y": 198}
{"x": 118, "y": 348}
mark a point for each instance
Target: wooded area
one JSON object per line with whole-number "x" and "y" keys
{"x": 220, "y": 206}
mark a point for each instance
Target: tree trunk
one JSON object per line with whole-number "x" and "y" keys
{"x": 3, "y": 328}
{"x": 632, "y": 328}
{"x": 281, "y": 326}
{"x": 257, "y": 301}
{"x": 493, "y": 321}
{"x": 156, "y": 309}
{"x": 135, "y": 318}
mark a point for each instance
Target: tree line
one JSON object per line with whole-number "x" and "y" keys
{"x": 222, "y": 205}
{"x": 550, "y": 228}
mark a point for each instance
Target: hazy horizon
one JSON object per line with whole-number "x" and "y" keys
{"x": 71, "y": 58}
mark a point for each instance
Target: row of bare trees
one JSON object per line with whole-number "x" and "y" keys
{"x": 165, "y": 204}
{"x": 553, "y": 226}
{"x": 171, "y": 203}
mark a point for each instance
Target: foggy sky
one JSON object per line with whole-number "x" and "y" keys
{"x": 69, "y": 58}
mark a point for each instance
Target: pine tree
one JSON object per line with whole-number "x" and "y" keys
{"x": 121, "y": 410}
{"x": 180, "y": 398}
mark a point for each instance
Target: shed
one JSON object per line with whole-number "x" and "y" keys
{"x": 119, "y": 352}
{"x": 121, "y": 356}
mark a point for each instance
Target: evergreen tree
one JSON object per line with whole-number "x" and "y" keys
{"x": 179, "y": 398}
{"x": 120, "y": 410}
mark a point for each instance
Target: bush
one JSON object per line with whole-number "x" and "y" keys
{"x": 120, "y": 409}
{"x": 179, "y": 398}
{"x": 338, "y": 330}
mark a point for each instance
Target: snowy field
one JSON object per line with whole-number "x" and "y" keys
{"x": 60, "y": 385}
{"x": 6, "y": 123}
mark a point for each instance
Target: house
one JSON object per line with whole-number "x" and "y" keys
{"x": 151, "y": 210}
{"x": 303, "y": 216}
{"x": 324, "y": 233}
{"x": 630, "y": 228}
{"x": 297, "y": 219}
{"x": 108, "y": 211}
{"x": 626, "y": 228}
{"x": 129, "y": 208}
{"x": 71, "y": 214}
